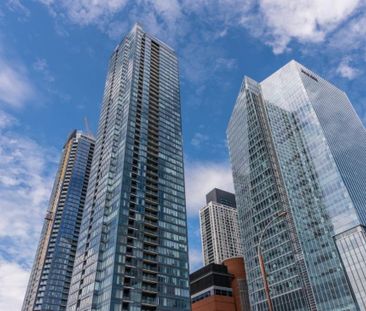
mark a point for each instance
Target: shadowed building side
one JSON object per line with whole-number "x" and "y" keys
{"x": 235, "y": 267}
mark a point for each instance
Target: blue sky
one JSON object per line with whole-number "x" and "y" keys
{"x": 53, "y": 60}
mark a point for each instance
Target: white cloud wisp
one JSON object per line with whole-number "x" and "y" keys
{"x": 13, "y": 285}
{"x": 345, "y": 70}
{"x": 302, "y": 20}
{"x": 201, "y": 178}
{"x": 15, "y": 87}
{"x": 26, "y": 177}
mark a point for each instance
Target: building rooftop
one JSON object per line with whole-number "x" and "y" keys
{"x": 210, "y": 275}
{"x": 222, "y": 197}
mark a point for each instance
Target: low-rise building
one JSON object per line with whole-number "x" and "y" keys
{"x": 217, "y": 287}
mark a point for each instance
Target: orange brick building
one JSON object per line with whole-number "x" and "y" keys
{"x": 220, "y": 287}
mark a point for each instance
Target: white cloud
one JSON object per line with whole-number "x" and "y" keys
{"x": 15, "y": 87}
{"x": 13, "y": 284}
{"x": 26, "y": 177}
{"x": 6, "y": 120}
{"x": 169, "y": 20}
{"x": 85, "y": 12}
{"x": 352, "y": 36}
{"x": 88, "y": 11}
{"x": 279, "y": 22}
{"x": 41, "y": 66}
{"x": 116, "y": 29}
{"x": 345, "y": 70}
{"x": 225, "y": 63}
{"x": 25, "y": 185}
{"x": 160, "y": 16}
{"x": 46, "y": 2}
{"x": 165, "y": 19}
{"x": 170, "y": 10}
{"x": 276, "y": 23}
{"x": 195, "y": 259}
{"x": 202, "y": 62}
{"x": 201, "y": 178}
{"x": 198, "y": 139}
{"x": 16, "y": 5}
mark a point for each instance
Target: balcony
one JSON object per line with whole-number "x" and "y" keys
{"x": 129, "y": 252}
{"x": 151, "y": 200}
{"x": 151, "y": 223}
{"x": 151, "y": 241}
{"x": 150, "y": 258}
{"x": 127, "y": 298}
{"x": 150, "y": 249}
{"x": 149, "y": 289}
{"x": 153, "y": 187}
{"x": 151, "y": 218}
{"x": 152, "y": 301}
{"x": 152, "y": 149}
{"x": 152, "y": 178}
{"x": 150, "y": 278}
{"x": 150, "y": 232}
{"x": 129, "y": 274}
{"x": 152, "y": 193}
{"x": 133, "y": 234}
{"x": 152, "y": 268}
{"x": 127, "y": 283}
{"x": 131, "y": 263}
{"x": 151, "y": 174}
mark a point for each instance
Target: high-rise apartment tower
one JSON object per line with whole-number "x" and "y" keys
{"x": 297, "y": 145}
{"x": 219, "y": 227}
{"x": 50, "y": 278}
{"x": 132, "y": 252}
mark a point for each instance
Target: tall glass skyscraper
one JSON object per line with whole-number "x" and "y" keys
{"x": 50, "y": 278}
{"x": 132, "y": 251}
{"x": 296, "y": 144}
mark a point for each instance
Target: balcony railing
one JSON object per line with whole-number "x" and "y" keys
{"x": 149, "y": 300}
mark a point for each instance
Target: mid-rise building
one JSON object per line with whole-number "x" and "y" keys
{"x": 50, "y": 278}
{"x": 217, "y": 287}
{"x": 132, "y": 251}
{"x": 297, "y": 145}
{"x": 222, "y": 197}
{"x": 220, "y": 232}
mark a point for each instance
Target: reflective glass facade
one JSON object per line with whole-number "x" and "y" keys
{"x": 132, "y": 253}
{"x": 334, "y": 142}
{"x": 292, "y": 148}
{"x": 50, "y": 278}
{"x": 259, "y": 196}
{"x": 352, "y": 248}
